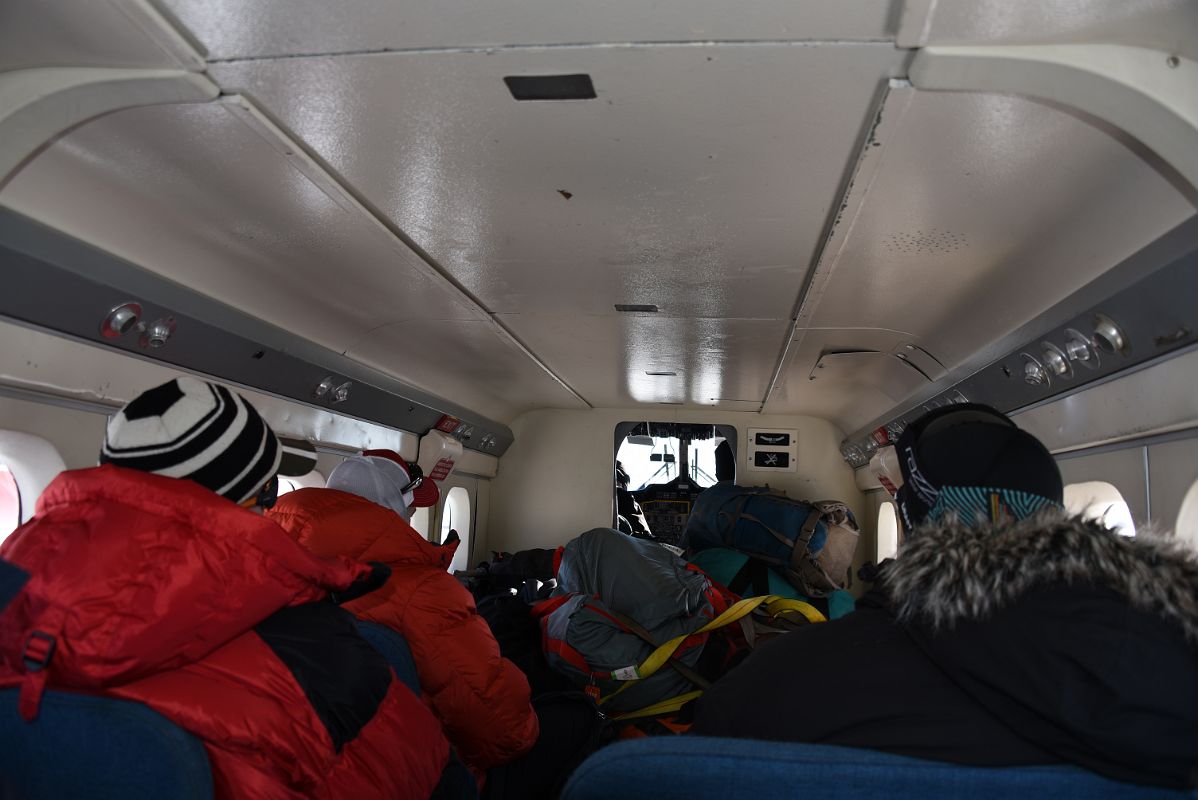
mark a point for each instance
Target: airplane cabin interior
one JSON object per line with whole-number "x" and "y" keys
{"x": 585, "y": 261}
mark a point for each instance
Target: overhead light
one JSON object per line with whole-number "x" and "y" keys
{"x": 632, "y": 308}
{"x": 551, "y": 87}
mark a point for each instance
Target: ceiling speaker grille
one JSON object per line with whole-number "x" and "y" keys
{"x": 926, "y": 243}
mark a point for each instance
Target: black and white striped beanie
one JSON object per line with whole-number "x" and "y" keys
{"x": 189, "y": 428}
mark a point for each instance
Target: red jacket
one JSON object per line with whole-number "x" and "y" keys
{"x": 481, "y": 698}
{"x": 153, "y": 587}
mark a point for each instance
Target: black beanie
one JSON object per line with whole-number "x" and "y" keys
{"x": 972, "y": 460}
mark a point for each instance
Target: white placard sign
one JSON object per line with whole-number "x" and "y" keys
{"x": 772, "y": 449}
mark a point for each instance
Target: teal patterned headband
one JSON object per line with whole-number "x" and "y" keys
{"x": 975, "y": 503}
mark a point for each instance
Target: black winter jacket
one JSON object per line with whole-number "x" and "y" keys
{"x": 1052, "y": 640}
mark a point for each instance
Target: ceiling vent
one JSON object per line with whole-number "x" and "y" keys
{"x": 632, "y": 308}
{"x": 932, "y": 242}
{"x": 550, "y": 87}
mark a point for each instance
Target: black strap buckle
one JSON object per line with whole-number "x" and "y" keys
{"x": 39, "y": 649}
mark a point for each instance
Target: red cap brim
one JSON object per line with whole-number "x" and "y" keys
{"x": 426, "y": 494}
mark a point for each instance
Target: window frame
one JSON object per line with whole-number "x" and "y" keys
{"x": 457, "y": 501}
{"x": 311, "y": 480}
{"x": 1098, "y": 494}
{"x": 888, "y": 503}
{"x": 730, "y": 434}
{"x": 421, "y": 521}
{"x": 33, "y": 462}
{"x": 8, "y": 483}
{"x": 1187, "y": 515}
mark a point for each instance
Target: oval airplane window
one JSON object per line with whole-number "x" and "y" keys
{"x": 455, "y": 516}
{"x": 1101, "y": 501}
{"x": 312, "y": 479}
{"x": 888, "y": 531}
{"x": 1187, "y": 518}
{"x": 31, "y": 462}
{"x": 10, "y": 503}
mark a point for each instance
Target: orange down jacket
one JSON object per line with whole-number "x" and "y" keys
{"x": 159, "y": 591}
{"x": 481, "y": 698}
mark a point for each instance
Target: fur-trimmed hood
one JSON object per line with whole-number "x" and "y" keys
{"x": 950, "y": 572}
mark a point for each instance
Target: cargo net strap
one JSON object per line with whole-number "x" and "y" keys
{"x": 776, "y": 608}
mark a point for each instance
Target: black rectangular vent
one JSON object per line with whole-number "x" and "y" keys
{"x": 632, "y": 308}
{"x": 662, "y": 374}
{"x": 551, "y": 87}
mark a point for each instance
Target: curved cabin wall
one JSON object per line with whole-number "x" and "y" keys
{"x": 556, "y": 479}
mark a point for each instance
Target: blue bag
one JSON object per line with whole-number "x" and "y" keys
{"x": 810, "y": 544}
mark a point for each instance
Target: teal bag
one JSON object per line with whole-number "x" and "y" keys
{"x": 748, "y": 577}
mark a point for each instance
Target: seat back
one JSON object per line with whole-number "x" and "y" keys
{"x": 696, "y": 768}
{"x": 97, "y": 747}
{"x": 394, "y": 648}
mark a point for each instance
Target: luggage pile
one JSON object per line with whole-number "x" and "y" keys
{"x": 632, "y": 632}
{"x": 643, "y": 631}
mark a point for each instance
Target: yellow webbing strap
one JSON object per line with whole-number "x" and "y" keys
{"x": 664, "y": 707}
{"x": 780, "y": 605}
{"x": 774, "y": 605}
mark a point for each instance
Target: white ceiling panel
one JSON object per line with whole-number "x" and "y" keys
{"x": 196, "y": 194}
{"x": 983, "y": 212}
{"x": 95, "y": 33}
{"x": 690, "y": 185}
{"x": 233, "y": 29}
{"x": 462, "y": 361}
{"x": 853, "y": 389}
{"x": 1167, "y": 25}
{"x": 718, "y": 362}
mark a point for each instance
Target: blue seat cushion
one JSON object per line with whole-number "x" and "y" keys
{"x": 698, "y": 768}
{"x": 100, "y": 748}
